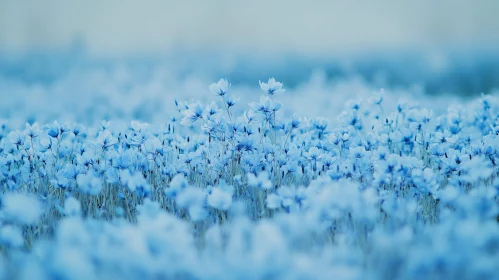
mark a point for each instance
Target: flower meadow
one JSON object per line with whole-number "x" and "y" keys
{"x": 225, "y": 189}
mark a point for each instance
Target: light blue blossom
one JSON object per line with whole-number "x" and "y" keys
{"x": 11, "y": 236}
{"x": 389, "y": 190}
{"x": 219, "y": 199}
{"x": 89, "y": 183}
{"x": 72, "y": 207}
{"x": 21, "y": 208}
{"x": 261, "y": 181}
{"x": 221, "y": 88}
{"x": 135, "y": 182}
{"x": 192, "y": 114}
{"x": 106, "y": 139}
{"x": 266, "y": 105}
{"x": 272, "y": 87}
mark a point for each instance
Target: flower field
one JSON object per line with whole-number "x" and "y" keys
{"x": 242, "y": 187}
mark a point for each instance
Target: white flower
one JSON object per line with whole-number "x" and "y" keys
{"x": 106, "y": 139}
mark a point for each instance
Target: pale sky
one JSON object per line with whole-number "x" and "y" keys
{"x": 312, "y": 26}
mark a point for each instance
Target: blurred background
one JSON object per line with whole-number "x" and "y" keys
{"x": 76, "y": 60}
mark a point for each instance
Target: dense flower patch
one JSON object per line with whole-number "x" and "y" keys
{"x": 214, "y": 194}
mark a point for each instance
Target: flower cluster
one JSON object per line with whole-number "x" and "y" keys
{"x": 213, "y": 194}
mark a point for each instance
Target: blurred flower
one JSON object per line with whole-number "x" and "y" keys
{"x": 136, "y": 182}
{"x": 32, "y": 131}
{"x": 11, "y": 236}
{"x": 53, "y": 129}
{"x": 89, "y": 183}
{"x": 16, "y": 138}
{"x": 21, "y": 208}
{"x": 219, "y": 199}
{"x": 72, "y": 207}
{"x": 177, "y": 184}
{"x": 261, "y": 181}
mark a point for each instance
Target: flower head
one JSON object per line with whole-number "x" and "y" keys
{"x": 220, "y": 88}
{"x": 266, "y": 105}
{"x": 272, "y": 87}
{"x": 106, "y": 139}
{"x": 192, "y": 114}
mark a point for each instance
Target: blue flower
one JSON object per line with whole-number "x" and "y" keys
{"x": 320, "y": 123}
{"x": 272, "y": 87}
{"x": 32, "y": 130}
{"x": 70, "y": 171}
{"x": 211, "y": 110}
{"x": 221, "y": 88}
{"x": 53, "y": 130}
{"x": 295, "y": 122}
{"x": 106, "y": 139}
{"x": 16, "y": 138}
{"x": 192, "y": 114}
{"x": 230, "y": 101}
{"x": 244, "y": 144}
{"x": 314, "y": 154}
{"x": 45, "y": 143}
{"x": 266, "y": 105}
